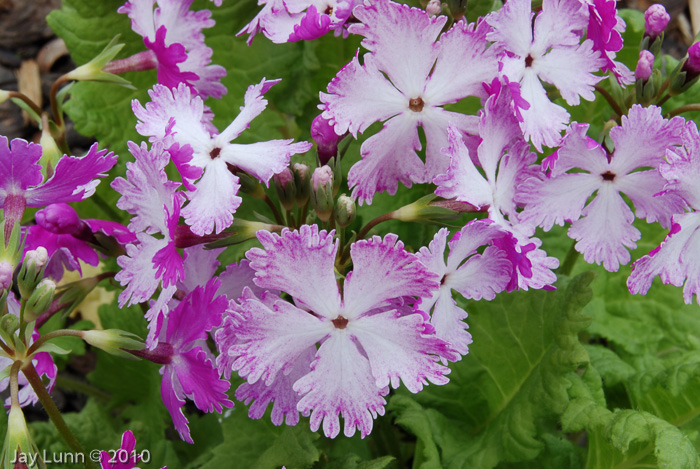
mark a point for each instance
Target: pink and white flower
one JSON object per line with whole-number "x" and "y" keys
{"x": 581, "y": 167}
{"x": 366, "y": 343}
{"x": 534, "y": 52}
{"x": 676, "y": 260}
{"x": 175, "y": 41}
{"x": 475, "y": 276}
{"x": 404, "y": 80}
{"x": 177, "y": 117}
{"x": 300, "y": 20}
{"x": 505, "y": 162}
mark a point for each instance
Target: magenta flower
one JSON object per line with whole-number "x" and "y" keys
{"x": 69, "y": 240}
{"x": 366, "y": 342}
{"x": 475, "y": 276}
{"x": 175, "y": 41}
{"x": 189, "y": 371}
{"x": 581, "y": 167}
{"x": 677, "y": 259}
{"x": 605, "y": 29}
{"x": 534, "y": 52}
{"x": 645, "y": 65}
{"x": 403, "y": 82}
{"x": 178, "y": 117}
{"x": 22, "y": 184}
{"x": 125, "y": 457}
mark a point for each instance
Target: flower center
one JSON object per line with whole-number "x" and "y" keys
{"x": 340, "y": 322}
{"x": 416, "y": 104}
{"x": 608, "y": 176}
{"x": 528, "y": 60}
{"x": 215, "y": 152}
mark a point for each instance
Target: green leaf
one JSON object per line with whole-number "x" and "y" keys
{"x": 513, "y": 381}
{"x": 260, "y": 444}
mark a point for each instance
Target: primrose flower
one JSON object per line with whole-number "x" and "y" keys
{"x": 534, "y": 52}
{"x": 125, "y": 457}
{"x": 677, "y": 259}
{"x": 177, "y": 117}
{"x": 366, "y": 341}
{"x": 155, "y": 203}
{"x": 69, "y": 240}
{"x": 605, "y": 29}
{"x": 22, "y": 184}
{"x": 299, "y": 20}
{"x": 506, "y": 162}
{"x": 189, "y": 370}
{"x": 603, "y": 228}
{"x": 475, "y": 276}
{"x": 175, "y": 41}
{"x": 404, "y": 80}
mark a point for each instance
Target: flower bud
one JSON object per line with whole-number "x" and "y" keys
{"x": 645, "y": 65}
{"x": 692, "y": 65}
{"x": 326, "y": 139}
{"x": 18, "y": 441}
{"x": 434, "y": 7}
{"x": 302, "y": 181}
{"x": 285, "y": 187}
{"x": 59, "y": 219}
{"x": 250, "y": 185}
{"x": 114, "y": 341}
{"x": 50, "y": 153}
{"x": 4, "y": 96}
{"x": 40, "y": 299}
{"x": 31, "y": 271}
{"x": 345, "y": 211}
{"x": 6, "y": 271}
{"x": 655, "y": 20}
{"x": 322, "y": 198}
{"x": 96, "y": 69}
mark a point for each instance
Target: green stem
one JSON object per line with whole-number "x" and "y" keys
{"x": 83, "y": 388}
{"x": 363, "y": 232}
{"x": 27, "y": 100}
{"x": 53, "y": 412}
{"x": 663, "y": 100}
{"x": 571, "y": 257}
{"x": 609, "y": 98}
{"x": 685, "y": 108}
{"x": 275, "y": 212}
{"x": 52, "y": 335}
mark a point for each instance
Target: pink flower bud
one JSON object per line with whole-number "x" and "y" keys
{"x": 693, "y": 63}
{"x": 655, "y": 20}
{"x": 434, "y": 7}
{"x": 326, "y": 139}
{"x": 59, "y": 219}
{"x": 284, "y": 178}
{"x": 644, "y": 66}
{"x": 5, "y": 275}
{"x": 321, "y": 177}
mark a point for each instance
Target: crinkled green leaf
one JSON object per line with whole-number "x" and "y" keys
{"x": 260, "y": 444}
{"x": 610, "y": 366}
{"x": 514, "y": 378}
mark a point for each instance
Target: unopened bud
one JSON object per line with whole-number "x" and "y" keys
{"x": 114, "y": 341}
{"x": 285, "y": 187}
{"x": 95, "y": 69}
{"x": 31, "y": 271}
{"x": 58, "y": 218}
{"x": 4, "y": 96}
{"x": 40, "y": 299}
{"x": 645, "y": 65}
{"x": 18, "y": 440}
{"x": 692, "y": 65}
{"x": 434, "y": 7}
{"x": 345, "y": 211}
{"x": 50, "y": 153}
{"x": 322, "y": 195}
{"x": 302, "y": 181}
{"x": 326, "y": 139}
{"x": 655, "y": 20}
{"x": 250, "y": 185}
{"x": 6, "y": 271}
